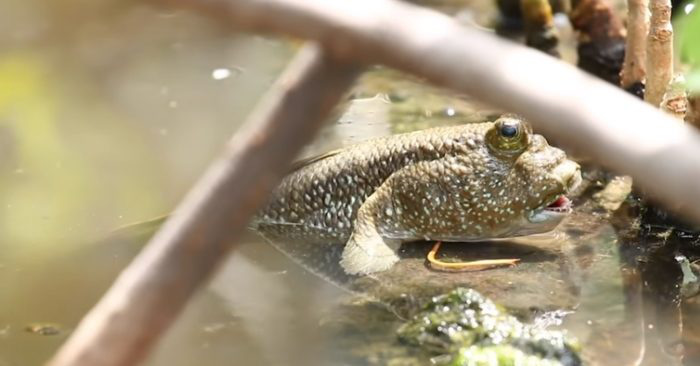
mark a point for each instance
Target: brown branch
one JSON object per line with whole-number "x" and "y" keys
{"x": 634, "y": 67}
{"x": 581, "y": 112}
{"x": 150, "y": 293}
{"x": 659, "y": 51}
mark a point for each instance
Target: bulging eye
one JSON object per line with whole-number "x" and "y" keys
{"x": 509, "y": 130}
{"x": 510, "y": 135}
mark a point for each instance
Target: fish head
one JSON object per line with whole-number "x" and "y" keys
{"x": 534, "y": 178}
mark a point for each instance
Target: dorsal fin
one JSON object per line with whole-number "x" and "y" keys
{"x": 312, "y": 159}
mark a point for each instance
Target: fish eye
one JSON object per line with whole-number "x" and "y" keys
{"x": 509, "y": 135}
{"x": 509, "y": 130}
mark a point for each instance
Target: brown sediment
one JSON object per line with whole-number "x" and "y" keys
{"x": 659, "y": 51}
{"x": 539, "y": 26}
{"x": 601, "y": 46}
{"x": 613, "y": 195}
{"x": 634, "y": 66}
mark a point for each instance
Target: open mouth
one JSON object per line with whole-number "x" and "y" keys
{"x": 561, "y": 205}
{"x": 556, "y": 209}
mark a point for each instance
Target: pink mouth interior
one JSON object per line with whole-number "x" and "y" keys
{"x": 560, "y": 205}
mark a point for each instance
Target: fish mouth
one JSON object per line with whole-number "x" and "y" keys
{"x": 561, "y": 205}
{"x": 554, "y": 209}
{"x": 557, "y": 206}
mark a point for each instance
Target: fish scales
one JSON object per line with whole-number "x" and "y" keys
{"x": 321, "y": 200}
{"x": 459, "y": 183}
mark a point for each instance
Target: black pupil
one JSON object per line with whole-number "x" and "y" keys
{"x": 509, "y": 131}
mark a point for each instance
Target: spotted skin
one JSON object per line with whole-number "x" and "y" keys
{"x": 460, "y": 183}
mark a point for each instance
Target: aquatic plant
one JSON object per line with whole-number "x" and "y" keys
{"x": 473, "y": 330}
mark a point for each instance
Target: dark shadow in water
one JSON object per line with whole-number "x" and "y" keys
{"x": 649, "y": 253}
{"x": 320, "y": 259}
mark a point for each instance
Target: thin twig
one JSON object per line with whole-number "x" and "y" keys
{"x": 150, "y": 293}
{"x": 581, "y": 112}
{"x": 634, "y": 67}
{"x": 659, "y": 51}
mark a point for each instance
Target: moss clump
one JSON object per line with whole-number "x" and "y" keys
{"x": 498, "y": 355}
{"x": 469, "y": 327}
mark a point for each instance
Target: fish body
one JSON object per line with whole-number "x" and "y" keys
{"x": 461, "y": 183}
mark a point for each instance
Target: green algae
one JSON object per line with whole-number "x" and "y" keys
{"x": 472, "y": 330}
{"x": 498, "y": 355}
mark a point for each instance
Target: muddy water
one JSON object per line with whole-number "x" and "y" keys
{"x": 109, "y": 113}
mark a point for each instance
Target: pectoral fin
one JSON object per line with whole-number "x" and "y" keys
{"x": 367, "y": 251}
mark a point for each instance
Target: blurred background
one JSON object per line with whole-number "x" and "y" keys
{"x": 109, "y": 111}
